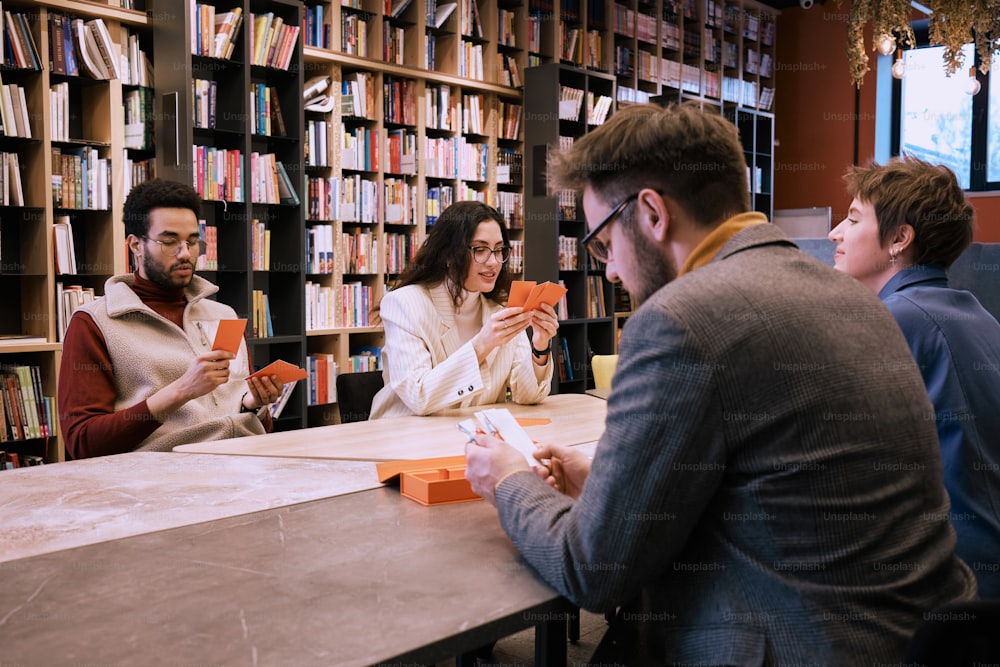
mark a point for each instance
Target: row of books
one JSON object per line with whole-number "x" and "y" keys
{"x": 354, "y": 34}
{"x": 509, "y": 120}
{"x": 359, "y": 148}
{"x": 359, "y": 201}
{"x": 319, "y": 249}
{"x": 68, "y": 299}
{"x": 400, "y": 202}
{"x": 510, "y": 73}
{"x": 269, "y": 182}
{"x": 218, "y": 173}
{"x": 11, "y": 190}
{"x": 322, "y": 382}
{"x": 24, "y": 411}
{"x": 138, "y": 116}
{"x": 470, "y": 61}
{"x": 260, "y": 312}
{"x": 64, "y": 245}
{"x": 273, "y": 42}
{"x": 19, "y": 48}
{"x": 364, "y": 359}
{"x": 510, "y": 166}
{"x": 137, "y": 171}
{"x": 393, "y": 43}
{"x": 360, "y": 251}
{"x": 265, "y": 111}
{"x": 472, "y": 113}
{"x": 439, "y": 197}
{"x": 316, "y": 30}
{"x": 315, "y": 150}
{"x": 399, "y": 97}
{"x": 357, "y": 95}
{"x": 82, "y": 47}
{"x": 14, "y": 116}
{"x": 568, "y": 253}
{"x": 470, "y": 24}
{"x": 81, "y": 179}
{"x": 400, "y": 249}
{"x": 401, "y": 152}
{"x": 564, "y": 363}
{"x": 596, "y": 305}
{"x": 14, "y": 460}
{"x": 213, "y": 33}
{"x": 209, "y": 259}
{"x": 516, "y": 262}
{"x": 326, "y": 310}
{"x": 260, "y": 246}
{"x": 511, "y": 206}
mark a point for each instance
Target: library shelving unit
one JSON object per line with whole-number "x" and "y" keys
{"x": 232, "y": 125}
{"x": 424, "y": 98}
{"x": 563, "y": 104}
{"x": 85, "y": 131}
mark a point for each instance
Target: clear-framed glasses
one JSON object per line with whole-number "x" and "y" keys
{"x": 172, "y": 248}
{"x": 481, "y": 253}
{"x": 595, "y": 246}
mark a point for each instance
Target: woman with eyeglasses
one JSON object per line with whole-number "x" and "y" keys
{"x": 449, "y": 340}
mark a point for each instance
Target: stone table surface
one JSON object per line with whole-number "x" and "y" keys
{"x": 65, "y": 505}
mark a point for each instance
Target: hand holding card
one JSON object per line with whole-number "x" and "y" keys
{"x": 285, "y": 371}
{"x": 530, "y": 295}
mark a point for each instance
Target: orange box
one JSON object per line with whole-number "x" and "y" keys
{"x": 436, "y": 481}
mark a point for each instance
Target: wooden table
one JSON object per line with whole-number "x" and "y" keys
{"x": 358, "y": 579}
{"x": 575, "y": 419}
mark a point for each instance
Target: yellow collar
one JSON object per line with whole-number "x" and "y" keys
{"x": 710, "y": 246}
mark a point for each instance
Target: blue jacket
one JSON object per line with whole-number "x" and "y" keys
{"x": 956, "y": 344}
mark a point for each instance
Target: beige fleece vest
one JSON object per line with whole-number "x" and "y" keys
{"x": 149, "y": 352}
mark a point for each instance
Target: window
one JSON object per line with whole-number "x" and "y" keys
{"x": 935, "y": 119}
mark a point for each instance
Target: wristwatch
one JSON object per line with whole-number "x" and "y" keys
{"x": 539, "y": 353}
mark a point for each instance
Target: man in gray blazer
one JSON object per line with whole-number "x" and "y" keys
{"x": 768, "y": 489}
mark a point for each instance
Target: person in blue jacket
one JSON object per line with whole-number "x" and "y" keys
{"x": 908, "y": 222}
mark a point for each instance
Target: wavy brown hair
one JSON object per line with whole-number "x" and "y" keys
{"x": 445, "y": 257}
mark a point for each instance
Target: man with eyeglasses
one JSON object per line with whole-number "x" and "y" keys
{"x": 767, "y": 490}
{"x": 138, "y": 370}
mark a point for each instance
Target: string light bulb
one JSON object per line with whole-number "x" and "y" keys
{"x": 885, "y": 44}
{"x": 899, "y": 67}
{"x": 972, "y": 86}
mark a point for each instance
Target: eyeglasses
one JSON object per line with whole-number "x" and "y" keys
{"x": 595, "y": 246}
{"x": 172, "y": 248}
{"x": 481, "y": 253}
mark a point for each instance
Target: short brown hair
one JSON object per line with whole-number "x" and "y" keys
{"x": 688, "y": 154}
{"x": 909, "y": 191}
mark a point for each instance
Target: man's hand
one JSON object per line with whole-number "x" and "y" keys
{"x": 205, "y": 372}
{"x": 487, "y": 461}
{"x": 567, "y": 469}
{"x": 263, "y": 390}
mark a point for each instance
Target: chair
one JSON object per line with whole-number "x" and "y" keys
{"x": 604, "y": 369}
{"x": 959, "y": 634}
{"x": 355, "y": 392}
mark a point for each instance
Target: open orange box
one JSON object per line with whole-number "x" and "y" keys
{"x": 436, "y": 481}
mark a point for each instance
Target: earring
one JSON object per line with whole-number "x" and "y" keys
{"x": 892, "y": 257}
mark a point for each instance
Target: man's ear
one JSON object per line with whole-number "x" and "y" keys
{"x": 134, "y": 244}
{"x": 903, "y": 237}
{"x": 653, "y": 215}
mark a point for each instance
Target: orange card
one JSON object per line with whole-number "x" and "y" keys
{"x": 519, "y": 291}
{"x": 533, "y": 421}
{"x": 285, "y": 371}
{"x": 229, "y": 335}
{"x": 547, "y": 292}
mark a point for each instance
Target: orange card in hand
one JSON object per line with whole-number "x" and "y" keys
{"x": 229, "y": 335}
{"x": 285, "y": 371}
{"x": 519, "y": 292}
{"x": 547, "y": 292}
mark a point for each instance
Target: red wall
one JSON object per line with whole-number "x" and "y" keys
{"x": 815, "y": 116}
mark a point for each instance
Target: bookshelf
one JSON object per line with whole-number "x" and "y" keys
{"x": 564, "y": 104}
{"x": 75, "y": 122}
{"x": 437, "y": 113}
{"x": 238, "y": 137}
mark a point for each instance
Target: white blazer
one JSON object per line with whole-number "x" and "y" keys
{"x": 426, "y": 368}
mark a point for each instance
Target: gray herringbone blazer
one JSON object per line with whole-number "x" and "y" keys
{"x": 768, "y": 489}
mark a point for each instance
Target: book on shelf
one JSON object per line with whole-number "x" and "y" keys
{"x": 276, "y": 408}
{"x": 279, "y": 119}
{"x": 11, "y": 190}
{"x": 86, "y": 46}
{"x": 14, "y": 111}
{"x": 106, "y": 47}
{"x": 395, "y": 8}
{"x": 286, "y": 190}
{"x": 65, "y": 254}
{"x": 442, "y": 12}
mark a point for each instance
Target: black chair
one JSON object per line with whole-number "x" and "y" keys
{"x": 960, "y": 634}
{"x": 355, "y": 392}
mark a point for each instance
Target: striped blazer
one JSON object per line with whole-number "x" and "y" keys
{"x": 427, "y": 368}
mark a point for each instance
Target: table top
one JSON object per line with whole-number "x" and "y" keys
{"x": 357, "y": 579}
{"x": 603, "y": 392}
{"x": 575, "y": 419}
{"x": 66, "y": 505}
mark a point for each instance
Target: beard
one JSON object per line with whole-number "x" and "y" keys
{"x": 657, "y": 270}
{"x": 162, "y": 276}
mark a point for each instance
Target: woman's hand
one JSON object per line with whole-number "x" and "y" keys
{"x": 500, "y": 329}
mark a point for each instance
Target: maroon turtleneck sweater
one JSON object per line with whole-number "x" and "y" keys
{"x": 87, "y": 391}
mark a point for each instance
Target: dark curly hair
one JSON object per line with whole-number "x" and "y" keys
{"x": 156, "y": 193}
{"x": 445, "y": 252}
